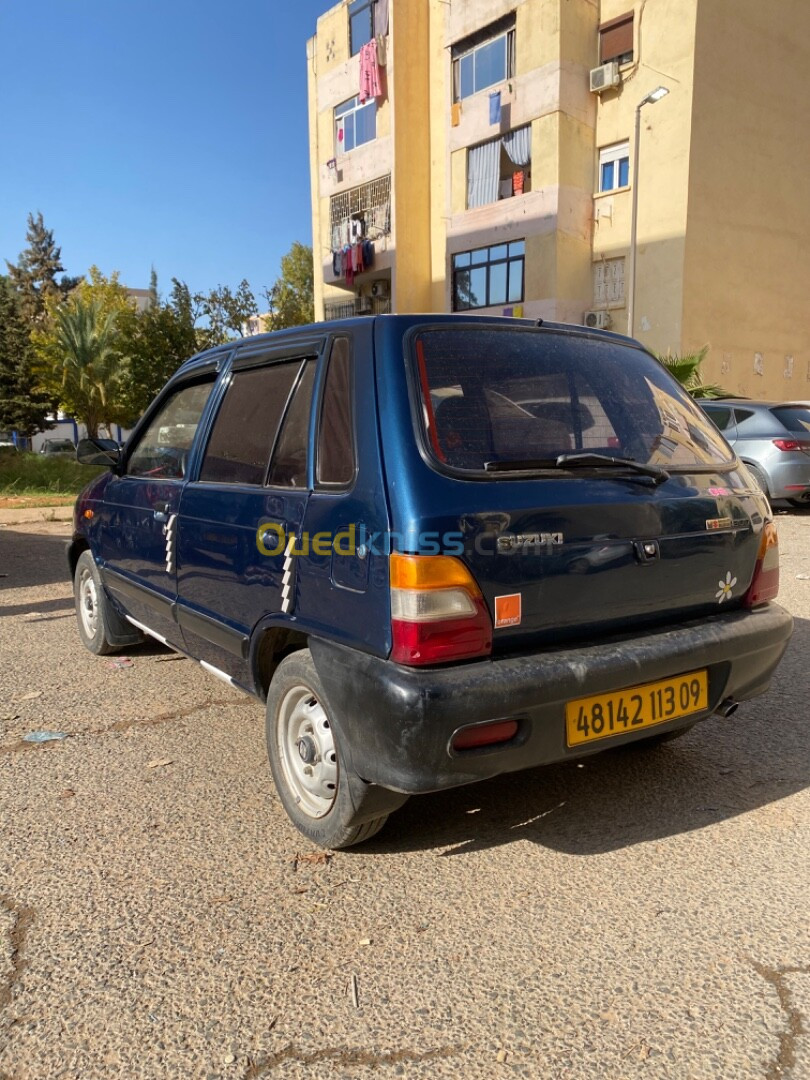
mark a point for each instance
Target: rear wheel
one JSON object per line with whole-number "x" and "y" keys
{"x": 803, "y": 504}
{"x": 323, "y": 798}
{"x": 759, "y": 478}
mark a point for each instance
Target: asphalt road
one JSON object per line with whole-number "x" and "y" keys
{"x": 641, "y": 914}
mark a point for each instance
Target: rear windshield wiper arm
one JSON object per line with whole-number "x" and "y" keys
{"x": 655, "y": 472}
{"x": 564, "y": 461}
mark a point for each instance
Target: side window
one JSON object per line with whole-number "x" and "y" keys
{"x": 288, "y": 467}
{"x": 239, "y": 447}
{"x": 721, "y": 418}
{"x": 162, "y": 450}
{"x": 336, "y": 433}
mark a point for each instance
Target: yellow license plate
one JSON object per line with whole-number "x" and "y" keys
{"x": 603, "y": 715}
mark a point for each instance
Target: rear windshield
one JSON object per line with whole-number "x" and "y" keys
{"x": 500, "y": 395}
{"x": 795, "y": 418}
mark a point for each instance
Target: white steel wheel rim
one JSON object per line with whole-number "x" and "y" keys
{"x": 88, "y": 603}
{"x": 307, "y": 751}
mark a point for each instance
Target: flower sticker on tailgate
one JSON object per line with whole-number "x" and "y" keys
{"x": 724, "y": 588}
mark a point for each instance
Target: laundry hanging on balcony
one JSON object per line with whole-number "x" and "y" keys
{"x": 380, "y": 18}
{"x": 370, "y": 81}
{"x": 353, "y": 259}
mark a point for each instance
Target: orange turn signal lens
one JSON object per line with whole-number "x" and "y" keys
{"x": 430, "y": 572}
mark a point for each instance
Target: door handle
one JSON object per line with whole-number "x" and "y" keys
{"x": 161, "y": 511}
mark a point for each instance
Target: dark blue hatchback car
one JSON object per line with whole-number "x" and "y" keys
{"x": 440, "y": 548}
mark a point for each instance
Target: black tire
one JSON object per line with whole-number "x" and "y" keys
{"x": 759, "y": 478}
{"x": 101, "y": 628}
{"x": 329, "y": 804}
{"x": 802, "y": 504}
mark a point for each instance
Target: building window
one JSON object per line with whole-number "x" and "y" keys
{"x": 484, "y": 59}
{"x": 614, "y": 166}
{"x": 488, "y": 276}
{"x": 361, "y": 27}
{"x": 499, "y": 168}
{"x": 616, "y": 40}
{"x": 355, "y": 124}
{"x": 608, "y": 283}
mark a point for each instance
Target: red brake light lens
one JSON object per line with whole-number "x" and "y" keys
{"x": 765, "y": 582}
{"x": 791, "y": 444}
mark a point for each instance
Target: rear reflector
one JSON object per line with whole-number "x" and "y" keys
{"x": 497, "y": 731}
{"x": 765, "y": 582}
{"x": 437, "y": 611}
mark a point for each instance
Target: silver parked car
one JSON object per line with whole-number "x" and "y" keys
{"x": 773, "y": 439}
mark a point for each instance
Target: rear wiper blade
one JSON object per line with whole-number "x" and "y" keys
{"x": 511, "y": 465}
{"x": 655, "y": 472}
{"x": 565, "y": 461}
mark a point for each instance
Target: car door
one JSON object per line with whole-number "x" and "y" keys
{"x": 138, "y": 529}
{"x": 238, "y": 518}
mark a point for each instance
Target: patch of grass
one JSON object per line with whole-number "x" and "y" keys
{"x": 38, "y": 474}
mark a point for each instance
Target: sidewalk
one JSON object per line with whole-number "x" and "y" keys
{"x": 22, "y": 515}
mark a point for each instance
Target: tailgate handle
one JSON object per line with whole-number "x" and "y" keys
{"x": 646, "y": 550}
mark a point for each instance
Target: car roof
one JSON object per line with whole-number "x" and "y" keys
{"x": 318, "y": 331}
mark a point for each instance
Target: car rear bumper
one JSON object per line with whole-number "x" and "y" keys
{"x": 395, "y": 724}
{"x": 789, "y": 475}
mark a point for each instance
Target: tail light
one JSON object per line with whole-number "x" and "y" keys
{"x": 437, "y": 611}
{"x": 791, "y": 444}
{"x": 765, "y": 582}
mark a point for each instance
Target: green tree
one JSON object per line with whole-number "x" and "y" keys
{"x": 156, "y": 342}
{"x": 292, "y": 298}
{"x": 22, "y": 407}
{"x": 80, "y": 355}
{"x": 225, "y": 313}
{"x": 686, "y": 369}
{"x": 34, "y": 275}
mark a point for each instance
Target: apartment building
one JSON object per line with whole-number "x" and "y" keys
{"x": 495, "y": 156}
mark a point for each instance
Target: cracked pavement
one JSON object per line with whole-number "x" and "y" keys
{"x": 636, "y": 914}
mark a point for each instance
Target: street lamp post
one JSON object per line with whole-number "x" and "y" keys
{"x": 650, "y": 99}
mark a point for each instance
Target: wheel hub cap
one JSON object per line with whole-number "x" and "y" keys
{"x": 307, "y": 751}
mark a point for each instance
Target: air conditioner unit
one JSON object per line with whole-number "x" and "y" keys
{"x": 598, "y": 320}
{"x": 604, "y": 77}
{"x": 379, "y": 288}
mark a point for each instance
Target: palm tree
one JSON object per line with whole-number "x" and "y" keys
{"x": 686, "y": 369}
{"x": 88, "y": 361}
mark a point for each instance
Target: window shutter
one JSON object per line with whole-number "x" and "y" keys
{"x": 616, "y": 38}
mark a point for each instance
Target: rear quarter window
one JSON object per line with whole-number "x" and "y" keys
{"x": 500, "y": 395}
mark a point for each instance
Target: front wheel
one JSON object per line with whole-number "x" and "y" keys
{"x": 323, "y": 798}
{"x": 101, "y": 628}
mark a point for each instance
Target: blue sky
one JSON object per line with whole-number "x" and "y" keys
{"x": 170, "y": 133}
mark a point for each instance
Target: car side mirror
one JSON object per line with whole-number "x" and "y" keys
{"x": 99, "y": 452}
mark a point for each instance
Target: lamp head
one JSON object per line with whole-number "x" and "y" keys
{"x": 654, "y": 95}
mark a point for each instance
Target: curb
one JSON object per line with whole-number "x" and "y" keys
{"x": 24, "y": 514}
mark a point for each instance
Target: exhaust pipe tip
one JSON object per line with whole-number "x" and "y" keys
{"x": 727, "y": 708}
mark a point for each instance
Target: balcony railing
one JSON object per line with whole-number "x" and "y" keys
{"x": 360, "y": 305}
{"x": 363, "y": 211}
